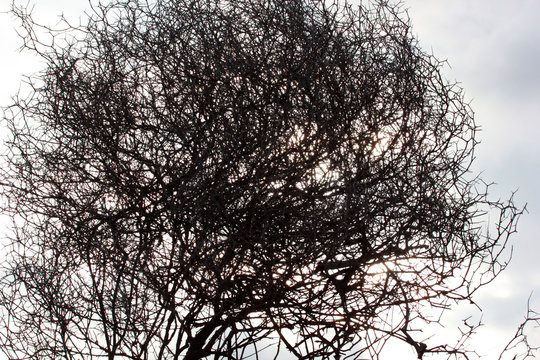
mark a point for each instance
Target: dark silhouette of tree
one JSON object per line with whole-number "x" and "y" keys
{"x": 200, "y": 178}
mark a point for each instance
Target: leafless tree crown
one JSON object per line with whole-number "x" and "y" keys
{"x": 197, "y": 179}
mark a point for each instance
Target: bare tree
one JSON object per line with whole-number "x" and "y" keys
{"x": 197, "y": 178}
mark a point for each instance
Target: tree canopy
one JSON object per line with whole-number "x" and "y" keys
{"x": 199, "y": 178}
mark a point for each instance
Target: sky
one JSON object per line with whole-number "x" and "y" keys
{"x": 493, "y": 50}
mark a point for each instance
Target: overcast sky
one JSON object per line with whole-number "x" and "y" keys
{"x": 493, "y": 49}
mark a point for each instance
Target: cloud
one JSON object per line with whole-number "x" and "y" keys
{"x": 493, "y": 47}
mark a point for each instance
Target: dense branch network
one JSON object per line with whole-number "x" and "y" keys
{"x": 189, "y": 178}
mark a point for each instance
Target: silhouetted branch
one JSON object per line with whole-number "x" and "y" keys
{"x": 190, "y": 179}
{"x": 520, "y": 341}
